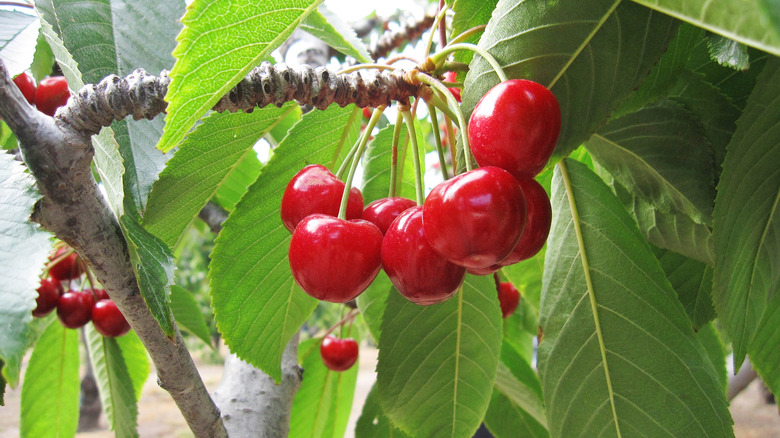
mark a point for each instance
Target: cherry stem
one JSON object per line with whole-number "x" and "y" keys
{"x": 19, "y": 4}
{"x": 467, "y": 33}
{"x": 439, "y": 18}
{"x": 91, "y": 280}
{"x": 417, "y": 168}
{"x": 437, "y": 137}
{"x": 442, "y": 26}
{"x": 453, "y": 151}
{"x": 58, "y": 259}
{"x": 352, "y": 314}
{"x": 362, "y": 142}
{"x": 394, "y": 155}
{"x": 343, "y": 139}
{"x": 401, "y": 57}
{"x": 366, "y": 67}
{"x": 439, "y": 56}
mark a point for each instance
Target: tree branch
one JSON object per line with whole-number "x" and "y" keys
{"x": 409, "y": 31}
{"x": 73, "y": 208}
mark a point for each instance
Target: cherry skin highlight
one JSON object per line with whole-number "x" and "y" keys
{"x": 52, "y": 93}
{"x": 383, "y": 212}
{"x": 515, "y": 126}
{"x": 108, "y": 320}
{"x": 74, "y": 309}
{"x": 338, "y": 354}
{"x": 537, "y": 226}
{"x": 315, "y": 189}
{"x": 26, "y": 85}
{"x": 508, "y": 298}
{"x": 418, "y": 272}
{"x": 333, "y": 259}
{"x": 48, "y": 294}
{"x": 476, "y": 218}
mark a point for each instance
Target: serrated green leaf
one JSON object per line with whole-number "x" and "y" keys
{"x": 24, "y": 247}
{"x": 437, "y": 363}
{"x": 136, "y": 359}
{"x": 18, "y": 34}
{"x": 233, "y": 188}
{"x": 747, "y": 219}
{"x": 692, "y": 280}
{"x": 242, "y": 32}
{"x": 728, "y": 52}
{"x": 322, "y": 405}
{"x": 764, "y": 354}
{"x": 469, "y": 14}
{"x": 113, "y": 380}
{"x": 373, "y": 423}
{"x": 50, "y": 392}
{"x": 188, "y": 314}
{"x": 377, "y": 160}
{"x": 591, "y": 54}
{"x": 737, "y": 85}
{"x": 615, "y": 337}
{"x": 743, "y": 21}
{"x": 257, "y": 305}
{"x": 43, "y": 59}
{"x": 660, "y": 154}
{"x": 206, "y": 159}
{"x": 333, "y": 31}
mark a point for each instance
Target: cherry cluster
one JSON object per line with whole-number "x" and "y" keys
{"x": 49, "y": 95}
{"x": 75, "y": 308}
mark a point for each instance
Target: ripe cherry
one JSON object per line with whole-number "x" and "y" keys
{"x": 475, "y": 219}
{"x": 74, "y": 308}
{"x": 451, "y": 76}
{"x": 333, "y": 259}
{"x": 314, "y": 189}
{"x": 26, "y": 85}
{"x": 52, "y": 93}
{"x": 508, "y": 298}
{"x": 515, "y": 127}
{"x": 366, "y": 112}
{"x": 100, "y": 294}
{"x": 108, "y": 320}
{"x": 537, "y": 226}
{"x": 338, "y": 354}
{"x": 383, "y": 212}
{"x": 66, "y": 269}
{"x": 48, "y": 294}
{"x": 418, "y": 272}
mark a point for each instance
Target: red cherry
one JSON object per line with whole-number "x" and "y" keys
{"x": 333, "y": 259}
{"x": 67, "y": 268}
{"x": 367, "y": 113}
{"x": 383, "y": 212}
{"x": 100, "y": 294}
{"x": 26, "y": 85}
{"x": 108, "y": 320}
{"x": 451, "y": 76}
{"x": 515, "y": 127}
{"x": 417, "y": 271}
{"x": 537, "y": 227}
{"x": 314, "y": 189}
{"x": 338, "y": 354}
{"x": 48, "y": 294}
{"x": 475, "y": 219}
{"x": 74, "y": 308}
{"x": 484, "y": 271}
{"x": 508, "y": 298}
{"x": 52, "y": 93}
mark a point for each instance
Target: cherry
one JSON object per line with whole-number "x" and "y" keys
{"x": 338, "y": 354}
{"x": 26, "y": 85}
{"x": 74, "y": 308}
{"x": 475, "y": 219}
{"x": 314, "y": 189}
{"x": 52, "y": 93}
{"x": 508, "y": 298}
{"x": 48, "y": 293}
{"x": 67, "y": 268}
{"x": 418, "y": 272}
{"x": 108, "y": 320}
{"x": 484, "y": 271}
{"x": 515, "y": 126}
{"x": 537, "y": 227}
{"x": 451, "y": 76}
{"x": 333, "y": 259}
{"x": 383, "y": 211}
{"x": 366, "y": 112}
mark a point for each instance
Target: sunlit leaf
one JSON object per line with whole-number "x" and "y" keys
{"x": 333, "y": 31}
{"x": 728, "y": 52}
{"x": 18, "y": 35}
{"x": 188, "y": 315}
{"x": 373, "y": 423}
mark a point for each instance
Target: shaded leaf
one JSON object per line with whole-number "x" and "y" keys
{"x": 373, "y": 301}
{"x": 243, "y": 32}
{"x": 692, "y": 280}
{"x": 373, "y": 423}
{"x": 18, "y": 35}
{"x": 615, "y": 338}
{"x": 188, "y": 315}
{"x": 437, "y": 363}
{"x": 137, "y": 360}
{"x": 376, "y": 165}
{"x": 333, "y": 31}
{"x": 257, "y": 305}
{"x": 747, "y": 221}
{"x": 728, "y": 53}
{"x": 716, "y": 351}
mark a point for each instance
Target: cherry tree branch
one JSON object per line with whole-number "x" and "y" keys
{"x": 409, "y": 31}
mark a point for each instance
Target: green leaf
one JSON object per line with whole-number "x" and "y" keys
{"x": 469, "y": 14}
{"x": 206, "y": 159}
{"x": 242, "y": 32}
{"x": 660, "y": 154}
{"x": 728, "y": 52}
{"x": 692, "y": 280}
{"x": 373, "y": 423}
{"x": 233, "y": 188}
{"x": 256, "y": 303}
{"x": 591, "y": 54}
{"x": 373, "y": 301}
{"x": 23, "y": 250}
{"x": 771, "y": 10}
{"x": 321, "y": 407}
{"x": 50, "y": 392}
{"x": 43, "y": 59}
{"x": 113, "y": 380}
{"x": 764, "y": 354}
{"x": 377, "y": 160}
{"x": 18, "y": 35}
{"x": 615, "y": 337}
{"x": 747, "y": 220}
{"x": 742, "y": 21}
{"x": 188, "y": 314}
{"x": 716, "y": 352}
{"x": 336, "y": 33}
{"x": 136, "y": 359}
{"x": 437, "y": 363}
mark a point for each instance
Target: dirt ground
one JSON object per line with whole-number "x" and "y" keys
{"x": 158, "y": 416}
